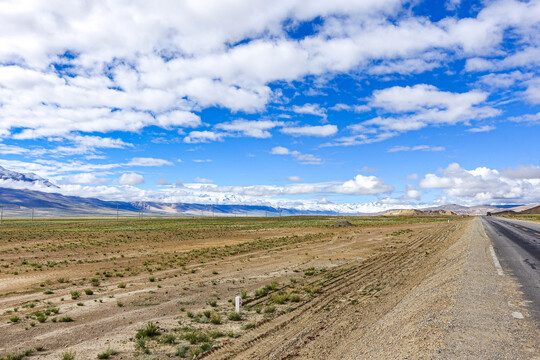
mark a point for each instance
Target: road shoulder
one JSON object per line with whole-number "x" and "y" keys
{"x": 463, "y": 310}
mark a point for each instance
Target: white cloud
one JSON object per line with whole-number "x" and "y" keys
{"x": 412, "y": 176}
{"x": 527, "y": 118}
{"x": 532, "y": 94}
{"x": 162, "y": 182}
{"x": 369, "y": 169}
{"x": 202, "y": 160}
{"x": 522, "y": 172}
{"x": 362, "y": 185}
{"x": 174, "y": 59}
{"x": 203, "y": 180}
{"x": 140, "y": 161}
{"x": 310, "y": 109}
{"x": 85, "y": 178}
{"x": 483, "y": 185}
{"x": 257, "y": 129}
{"x": 131, "y": 179}
{"x": 416, "y": 148}
{"x": 280, "y": 150}
{"x": 413, "y": 193}
{"x": 301, "y": 158}
{"x": 355, "y": 108}
{"x": 293, "y": 178}
{"x": 195, "y": 137}
{"x": 483, "y": 128}
{"x": 321, "y": 131}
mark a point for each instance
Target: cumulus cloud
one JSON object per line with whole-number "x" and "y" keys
{"x": 85, "y": 178}
{"x": 362, "y": 185}
{"x": 300, "y": 157}
{"x": 413, "y": 193}
{"x": 415, "y": 107}
{"x": 293, "y": 178}
{"x": 522, "y": 172}
{"x": 131, "y": 179}
{"x": 175, "y": 59}
{"x": 484, "y": 185}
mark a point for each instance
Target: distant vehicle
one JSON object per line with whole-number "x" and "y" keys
{"x": 488, "y": 214}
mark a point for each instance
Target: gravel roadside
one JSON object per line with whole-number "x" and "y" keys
{"x": 462, "y": 311}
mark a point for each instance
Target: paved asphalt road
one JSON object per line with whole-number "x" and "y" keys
{"x": 517, "y": 245}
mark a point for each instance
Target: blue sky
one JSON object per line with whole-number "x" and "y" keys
{"x": 354, "y": 106}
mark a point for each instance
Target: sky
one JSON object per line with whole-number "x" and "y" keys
{"x": 353, "y": 106}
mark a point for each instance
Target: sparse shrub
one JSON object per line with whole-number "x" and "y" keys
{"x": 309, "y": 272}
{"x": 206, "y": 346}
{"x": 181, "y": 350}
{"x": 279, "y": 298}
{"x": 94, "y": 281}
{"x": 17, "y": 356}
{"x": 122, "y": 285}
{"x": 248, "y": 326}
{"x": 48, "y": 292}
{"x": 119, "y": 304}
{"x": 294, "y": 298}
{"x": 152, "y": 279}
{"x": 70, "y": 355}
{"x": 62, "y": 280}
{"x": 75, "y": 295}
{"x": 234, "y": 316}
{"x": 140, "y": 344}
{"x": 196, "y": 337}
{"x": 169, "y": 339}
{"x": 270, "y": 309}
{"x": 14, "y": 319}
{"x": 149, "y": 330}
{"x": 195, "y": 352}
{"x": 216, "y": 334}
{"x": 66, "y": 319}
{"x": 107, "y": 354}
{"x": 215, "y": 318}
{"x": 88, "y": 292}
{"x": 213, "y": 303}
{"x": 262, "y": 291}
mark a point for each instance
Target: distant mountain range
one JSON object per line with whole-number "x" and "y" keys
{"x": 32, "y": 178}
{"x": 18, "y": 202}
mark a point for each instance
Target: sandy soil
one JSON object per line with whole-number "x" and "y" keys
{"x": 395, "y": 291}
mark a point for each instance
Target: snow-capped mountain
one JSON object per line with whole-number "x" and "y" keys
{"x": 6, "y": 174}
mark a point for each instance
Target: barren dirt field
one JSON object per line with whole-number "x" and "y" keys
{"x": 164, "y": 288}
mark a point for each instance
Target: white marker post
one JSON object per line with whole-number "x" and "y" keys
{"x": 238, "y": 304}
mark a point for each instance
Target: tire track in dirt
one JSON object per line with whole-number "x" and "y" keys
{"x": 284, "y": 336}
